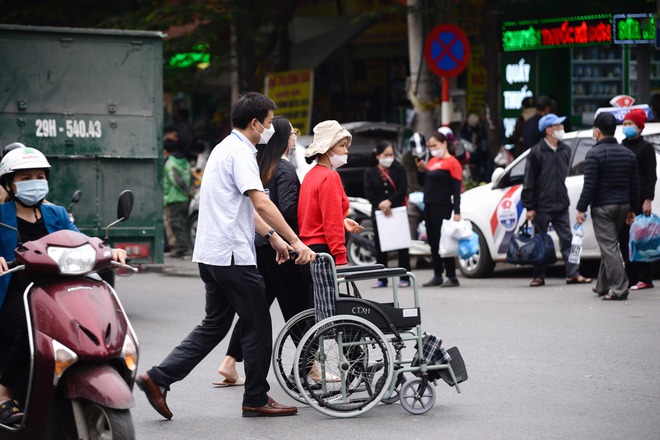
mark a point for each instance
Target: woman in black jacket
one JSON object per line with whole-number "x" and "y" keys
{"x": 386, "y": 186}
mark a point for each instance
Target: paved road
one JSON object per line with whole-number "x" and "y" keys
{"x": 546, "y": 363}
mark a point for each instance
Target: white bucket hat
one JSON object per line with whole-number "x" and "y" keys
{"x": 326, "y": 135}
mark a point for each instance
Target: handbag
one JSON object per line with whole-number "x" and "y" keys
{"x": 526, "y": 247}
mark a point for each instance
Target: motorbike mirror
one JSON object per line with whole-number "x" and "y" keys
{"x": 124, "y": 208}
{"x": 75, "y": 198}
{"x": 18, "y": 235}
{"x": 125, "y": 205}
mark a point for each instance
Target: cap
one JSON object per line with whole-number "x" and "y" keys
{"x": 548, "y": 120}
{"x": 606, "y": 123}
{"x": 637, "y": 116}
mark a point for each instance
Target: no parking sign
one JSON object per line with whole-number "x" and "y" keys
{"x": 447, "y": 50}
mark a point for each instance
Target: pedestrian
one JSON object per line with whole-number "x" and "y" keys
{"x": 473, "y": 130}
{"x": 545, "y": 196}
{"x": 282, "y": 281}
{"x": 24, "y": 176}
{"x": 640, "y": 274}
{"x": 441, "y": 177}
{"x": 531, "y": 134}
{"x": 386, "y": 187}
{"x": 232, "y": 206}
{"x": 322, "y": 209}
{"x": 611, "y": 188}
{"x": 526, "y": 112}
{"x": 177, "y": 179}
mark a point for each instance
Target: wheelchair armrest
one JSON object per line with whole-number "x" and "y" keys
{"x": 350, "y": 269}
{"x": 372, "y": 274}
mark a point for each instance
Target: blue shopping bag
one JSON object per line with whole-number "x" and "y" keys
{"x": 644, "y": 244}
{"x": 468, "y": 247}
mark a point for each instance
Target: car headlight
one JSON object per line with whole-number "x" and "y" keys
{"x": 73, "y": 261}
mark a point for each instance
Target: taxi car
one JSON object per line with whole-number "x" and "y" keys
{"x": 496, "y": 212}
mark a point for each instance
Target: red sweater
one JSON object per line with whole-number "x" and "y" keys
{"x": 322, "y": 207}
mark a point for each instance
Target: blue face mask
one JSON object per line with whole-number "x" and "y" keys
{"x": 31, "y": 192}
{"x": 629, "y": 132}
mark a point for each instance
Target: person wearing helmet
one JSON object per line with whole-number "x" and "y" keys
{"x": 24, "y": 176}
{"x": 4, "y": 197}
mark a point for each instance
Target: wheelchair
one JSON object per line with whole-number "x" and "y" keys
{"x": 346, "y": 355}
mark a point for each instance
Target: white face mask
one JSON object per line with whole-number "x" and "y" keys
{"x": 438, "y": 152}
{"x": 337, "y": 160}
{"x": 559, "y": 134}
{"x": 265, "y": 135}
{"x": 386, "y": 162}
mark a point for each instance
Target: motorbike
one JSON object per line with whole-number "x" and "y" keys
{"x": 84, "y": 351}
{"x": 361, "y": 247}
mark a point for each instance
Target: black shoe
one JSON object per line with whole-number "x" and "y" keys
{"x": 435, "y": 281}
{"x": 451, "y": 282}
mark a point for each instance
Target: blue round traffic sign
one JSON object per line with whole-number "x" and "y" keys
{"x": 447, "y": 50}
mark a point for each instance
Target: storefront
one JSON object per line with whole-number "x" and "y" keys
{"x": 580, "y": 61}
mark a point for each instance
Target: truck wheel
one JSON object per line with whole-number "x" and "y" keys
{"x": 192, "y": 229}
{"x": 480, "y": 265}
{"x": 106, "y": 423}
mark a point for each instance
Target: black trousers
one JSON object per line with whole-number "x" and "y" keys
{"x": 562, "y": 226}
{"x": 381, "y": 257}
{"x": 14, "y": 345}
{"x": 433, "y": 216}
{"x": 284, "y": 282}
{"x": 229, "y": 289}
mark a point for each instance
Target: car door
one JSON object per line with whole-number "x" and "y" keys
{"x": 574, "y": 184}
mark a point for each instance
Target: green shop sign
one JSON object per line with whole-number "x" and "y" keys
{"x": 551, "y": 33}
{"x": 633, "y": 28}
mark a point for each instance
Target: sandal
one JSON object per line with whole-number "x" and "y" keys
{"x": 10, "y": 413}
{"x": 578, "y": 280}
{"x": 536, "y": 282}
{"x": 612, "y": 297}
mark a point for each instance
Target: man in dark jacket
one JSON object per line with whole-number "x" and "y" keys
{"x": 640, "y": 274}
{"x": 545, "y": 196}
{"x": 530, "y": 133}
{"x": 611, "y": 187}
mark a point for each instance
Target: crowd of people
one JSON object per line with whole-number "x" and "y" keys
{"x": 260, "y": 228}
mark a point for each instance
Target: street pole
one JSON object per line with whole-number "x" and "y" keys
{"x": 419, "y": 84}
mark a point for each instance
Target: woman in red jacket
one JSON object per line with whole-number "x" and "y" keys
{"x": 322, "y": 209}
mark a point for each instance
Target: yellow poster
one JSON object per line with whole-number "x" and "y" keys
{"x": 292, "y": 91}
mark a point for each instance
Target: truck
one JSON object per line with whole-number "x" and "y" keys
{"x": 92, "y": 101}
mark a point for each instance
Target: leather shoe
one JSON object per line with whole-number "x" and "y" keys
{"x": 155, "y": 396}
{"x": 271, "y": 409}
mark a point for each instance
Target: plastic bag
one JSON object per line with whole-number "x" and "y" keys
{"x": 644, "y": 244}
{"x": 468, "y": 247}
{"x": 448, "y": 246}
{"x": 450, "y": 233}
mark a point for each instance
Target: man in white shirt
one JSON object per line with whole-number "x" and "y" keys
{"x": 232, "y": 206}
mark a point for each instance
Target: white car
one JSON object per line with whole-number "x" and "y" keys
{"x": 495, "y": 210}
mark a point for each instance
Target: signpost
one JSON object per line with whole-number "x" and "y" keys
{"x": 447, "y": 53}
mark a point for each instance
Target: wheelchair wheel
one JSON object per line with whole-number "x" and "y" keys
{"x": 284, "y": 351}
{"x": 417, "y": 396}
{"x": 396, "y": 393}
{"x": 355, "y": 365}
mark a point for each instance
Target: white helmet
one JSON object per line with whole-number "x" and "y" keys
{"x": 23, "y": 159}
